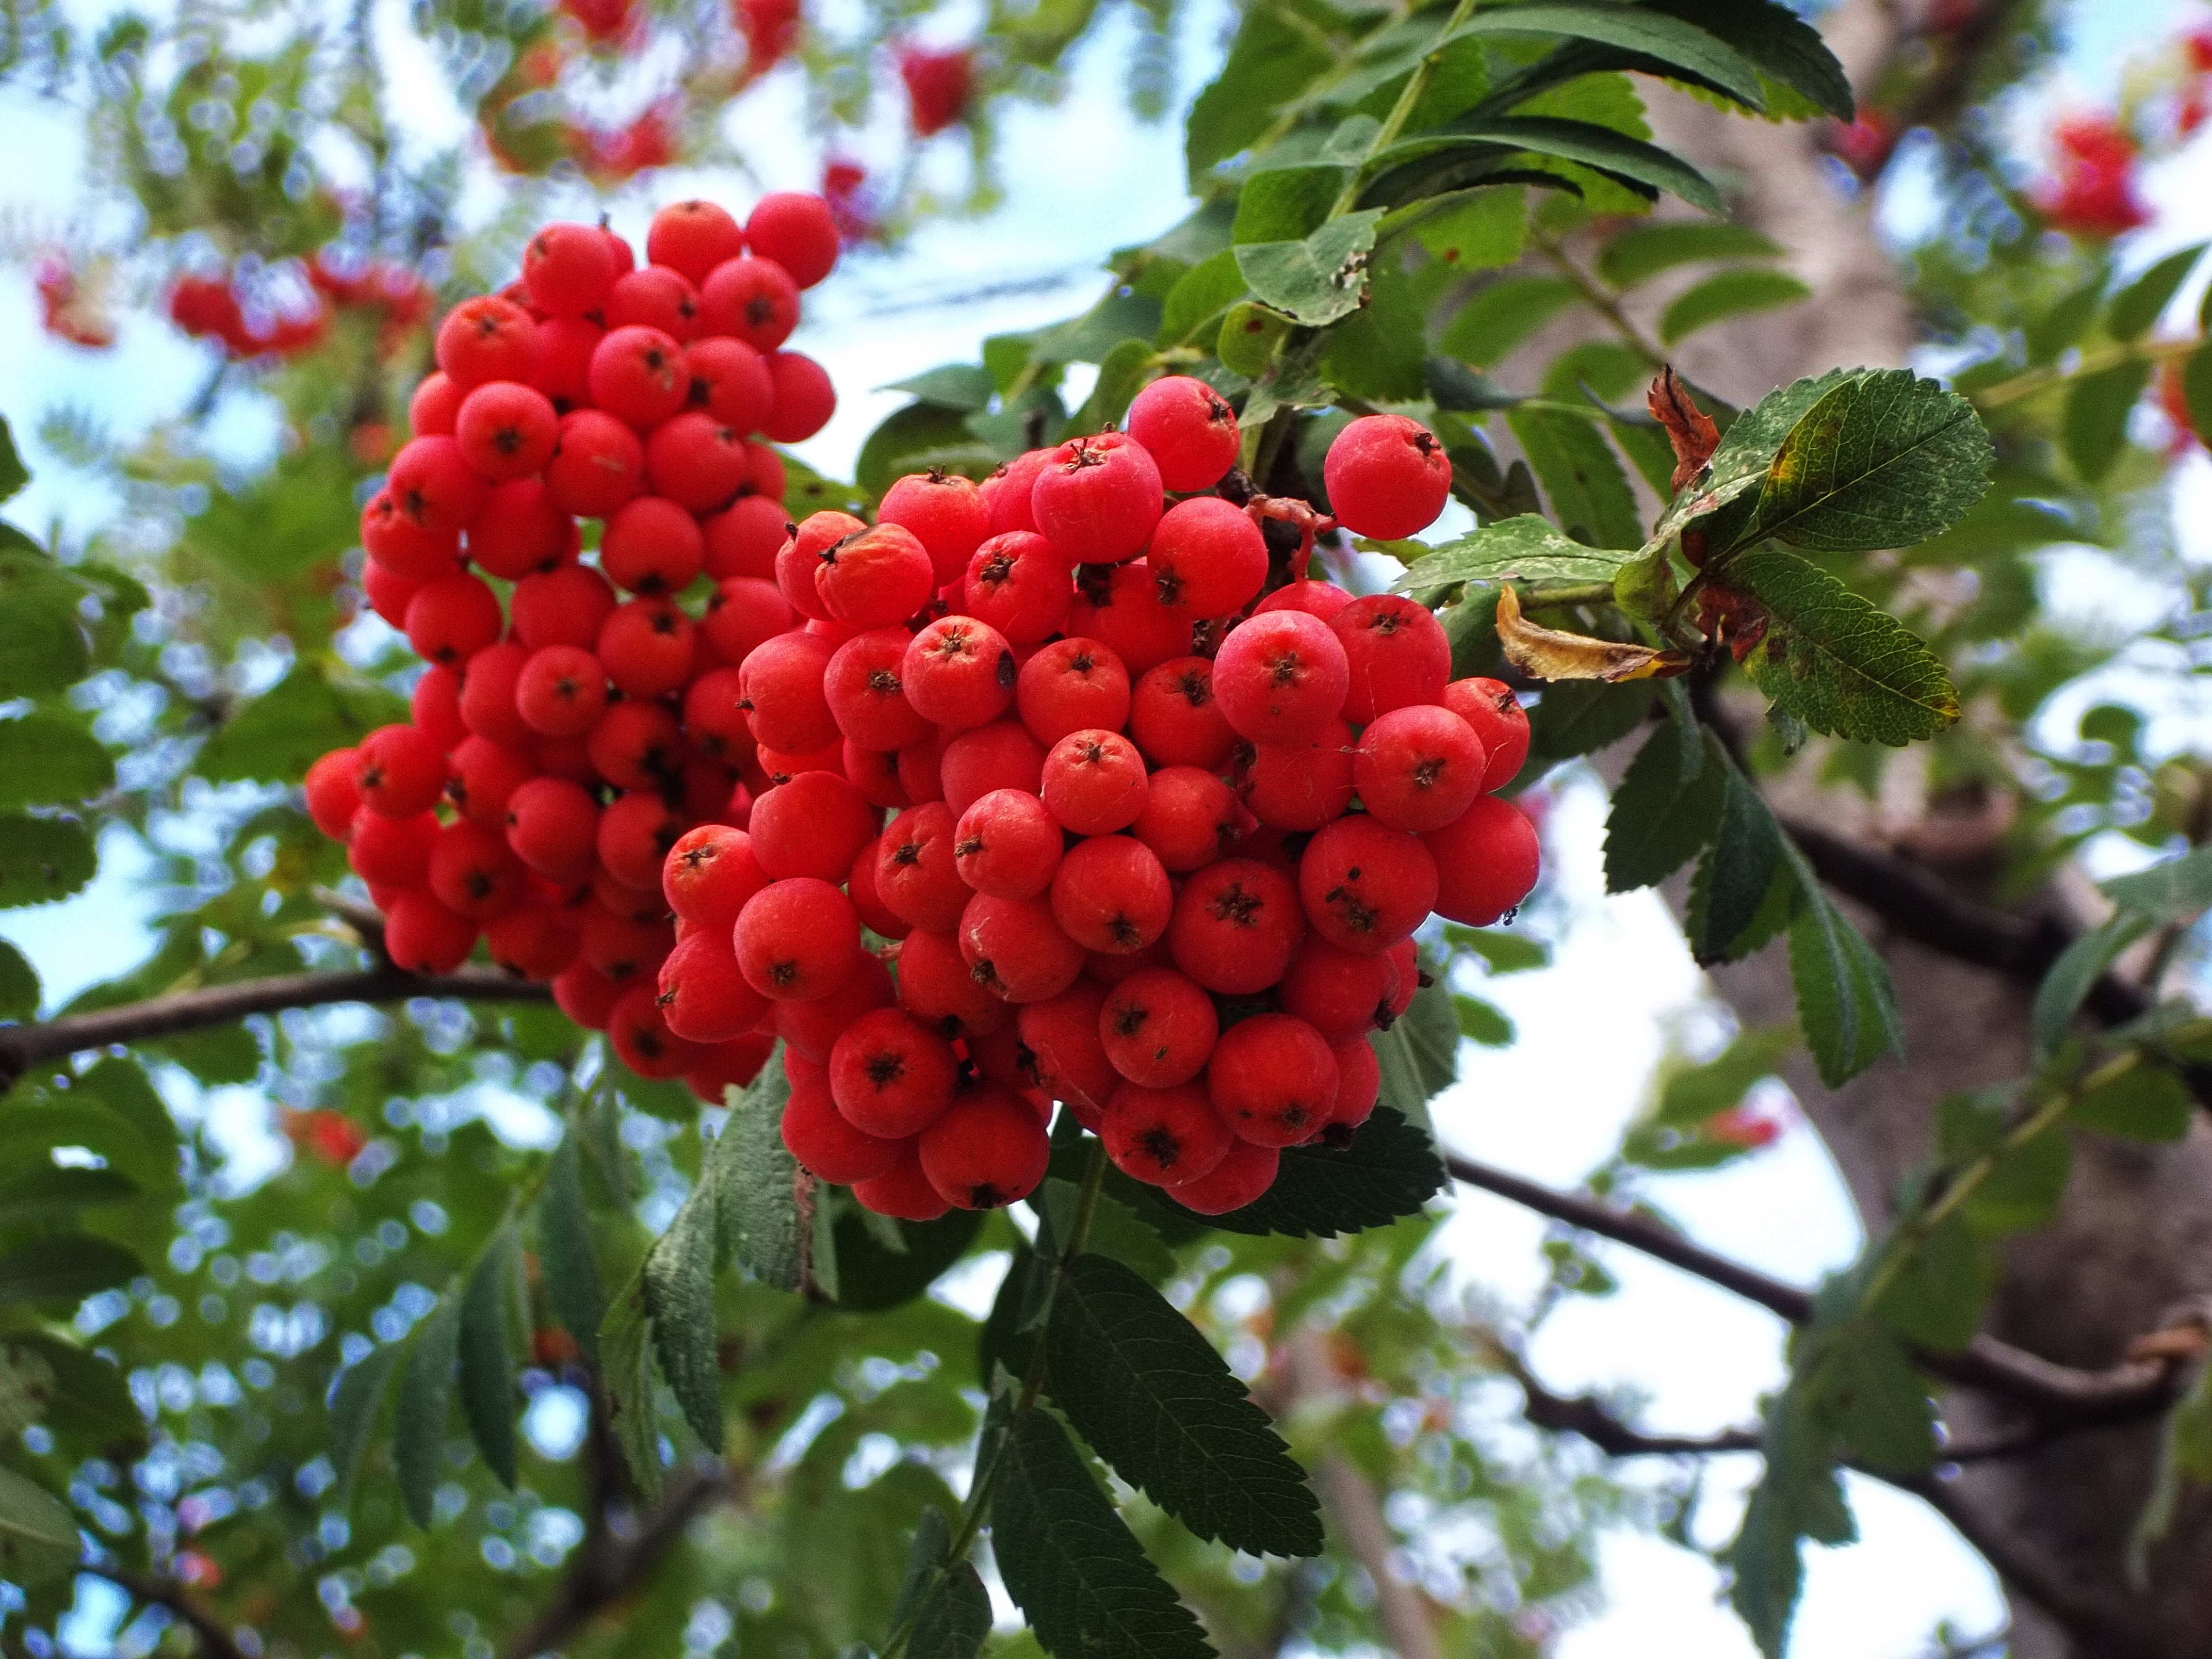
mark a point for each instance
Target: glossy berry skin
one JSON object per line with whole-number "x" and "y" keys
{"x": 654, "y": 297}
{"x": 891, "y": 1075}
{"x": 865, "y": 689}
{"x": 567, "y": 606}
{"x": 781, "y": 680}
{"x": 1124, "y": 613}
{"x": 1162, "y": 1136}
{"x": 696, "y": 461}
{"x": 553, "y": 826}
{"x": 744, "y": 537}
{"x": 876, "y": 578}
{"x": 804, "y": 397}
{"x": 1110, "y": 893}
{"x": 935, "y": 986}
{"x": 1061, "y": 1035}
{"x": 902, "y": 1190}
{"x": 703, "y": 995}
{"x": 1016, "y": 949}
{"x": 567, "y": 270}
{"x": 1396, "y": 653}
{"x": 1316, "y": 598}
{"x": 1497, "y": 718}
{"x": 436, "y": 402}
{"x": 1096, "y": 499}
{"x": 1418, "y": 768}
{"x": 1273, "y": 1080}
{"x": 947, "y": 515}
{"x": 730, "y": 381}
{"x": 424, "y": 937}
{"x": 1174, "y": 718}
{"x": 810, "y": 1031}
{"x": 1341, "y": 993}
{"x": 520, "y": 533}
{"x": 1007, "y": 492}
{"x": 1017, "y": 583}
{"x": 1007, "y": 845}
{"x": 1190, "y": 818}
{"x": 1190, "y": 433}
{"x": 795, "y": 229}
{"x": 987, "y": 1151}
{"x": 485, "y": 339}
{"x": 1280, "y": 677}
{"x": 1245, "y": 1172}
{"x": 827, "y": 1144}
{"x": 710, "y": 873}
{"x": 597, "y": 464}
{"x": 1094, "y": 783}
{"x": 333, "y": 796}
{"x": 562, "y": 692}
{"x": 916, "y": 875}
{"x": 642, "y": 1039}
{"x": 1236, "y": 923}
{"x": 798, "y": 940}
{"x": 1207, "y": 558}
{"x": 1157, "y": 1027}
{"x": 860, "y": 887}
{"x": 692, "y": 238}
{"x": 1072, "y": 685}
{"x": 391, "y": 852}
{"x": 652, "y": 545}
{"x": 1364, "y": 887}
{"x": 639, "y": 375}
{"x": 506, "y": 430}
{"x": 435, "y": 487}
{"x": 752, "y": 299}
{"x": 959, "y": 673}
{"x": 473, "y": 874}
{"x": 649, "y": 646}
{"x": 534, "y": 942}
{"x": 985, "y": 758}
{"x": 811, "y": 826}
{"x": 402, "y": 771}
{"x": 1487, "y": 860}
{"x": 1298, "y": 787}
{"x": 434, "y": 706}
{"x": 1386, "y": 477}
{"x": 560, "y": 360}
{"x": 634, "y": 834}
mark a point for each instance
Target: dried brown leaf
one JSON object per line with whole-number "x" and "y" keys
{"x": 1547, "y": 653}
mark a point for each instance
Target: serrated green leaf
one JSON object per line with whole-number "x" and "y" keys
{"x": 42, "y": 859}
{"x": 1418, "y": 1055}
{"x": 286, "y": 729}
{"x": 872, "y": 1279}
{"x": 1883, "y": 460}
{"x": 1389, "y": 1170}
{"x": 1379, "y": 352}
{"x": 1746, "y": 450}
{"x": 1667, "y": 42}
{"x": 1526, "y": 547}
{"x": 20, "y": 992}
{"x": 1836, "y": 661}
{"x": 759, "y": 1185}
{"x": 2137, "y": 305}
{"x": 1642, "y": 167}
{"x": 2177, "y": 890}
{"x": 38, "y": 1534}
{"x": 2146, "y": 1102}
{"x": 1200, "y": 294}
{"x": 425, "y": 1395}
{"x": 42, "y": 643}
{"x": 1642, "y": 252}
{"x": 1158, "y": 1404}
{"x": 1846, "y": 1000}
{"x": 1272, "y": 60}
{"x": 1480, "y": 229}
{"x": 2068, "y": 979}
{"x": 1316, "y": 279}
{"x": 572, "y": 1281}
{"x": 1879, "y": 1403}
{"x": 626, "y": 1376}
{"x": 1589, "y": 493}
{"x": 60, "y": 1270}
{"x": 965, "y": 386}
{"x": 1660, "y": 819}
{"x": 946, "y": 1600}
{"x": 1799, "y": 1496}
{"x": 1116, "y": 1230}
{"x": 1501, "y": 952}
{"x": 1779, "y": 44}
{"x": 1501, "y": 315}
{"x": 1729, "y": 294}
{"x": 48, "y": 761}
{"x": 2023, "y": 1188}
{"x": 2098, "y": 405}
{"x": 356, "y": 1399}
{"x": 679, "y": 1298}
{"x": 1007, "y": 1337}
{"x": 485, "y": 1343}
{"x": 1937, "y": 1298}
{"x": 1068, "y": 1560}
{"x": 1729, "y": 891}
{"x": 1580, "y": 717}
{"x": 1286, "y": 204}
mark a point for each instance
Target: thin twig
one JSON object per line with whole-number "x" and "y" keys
{"x": 215, "y": 1641}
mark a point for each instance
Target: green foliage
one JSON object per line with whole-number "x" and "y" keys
{"x": 1730, "y": 294}
{"x": 304, "y": 716}
{"x": 1664, "y": 813}
{"x": 942, "y": 1605}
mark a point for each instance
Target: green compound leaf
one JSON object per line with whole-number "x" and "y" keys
{"x": 1389, "y": 1170}
{"x": 42, "y": 859}
{"x": 1589, "y": 493}
{"x": 679, "y": 1298}
{"x": 1668, "y": 42}
{"x": 1736, "y": 901}
{"x": 1644, "y": 168}
{"x": 1069, "y": 1561}
{"x": 282, "y": 731}
{"x": 1286, "y": 204}
{"x": 1834, "y": 659}
{"x": 1156, "y": 1402}
{"x": 1525, "y": 546}
{"x": 573, "y": 1285}
{"x": 1642, "y": 252}
{"x": 1884, "y": 459}
{"x": 2096, "y": 420}
{"x": 1846, "y": 1000}
{"x": 425, "y": 1395}
{"x": 1739, "y": 465}
{"x": 946, "y": 1600}
{"x": 37, "y": 1533}
{"x": 1782, "y": 47}
{"x": 759, "y": 1184}
{"x": 1318, "y": 279}
{"x": 356, "y": 1399}
{"x": 1503, "y": 314}
{"x": 872, "y": 1278}
{"x": 1729, "y": 294}
{"x": 1418, "y": 1055}
{"x": 486, "y": 1347}
{"x": 1661, "y": 819}
{"x": 46, "y": 760}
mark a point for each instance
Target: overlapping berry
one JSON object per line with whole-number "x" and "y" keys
{"x": 1159, "y": 839}
{"x": 571, "y": 726}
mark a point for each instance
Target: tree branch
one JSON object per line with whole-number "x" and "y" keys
{"x": 215, "y": 1641}
{"x": 2134, "y": 1388}
{"x": 24, "y": 1046}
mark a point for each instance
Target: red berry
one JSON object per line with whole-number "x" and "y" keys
{"x": 1321, "y": 599}
{"x": 876, "y": 578}
{"x": 569, "y": 270}
{"x": 936, "y": 987}
{"x": 1007, "y": 491}
{"x": 403, "y": 771}
{"x": 764, "y": 470}
{"x": 586, "y": 995}
{"x": 826, "y": 1143}
{"x": 1007, "y": 845}
{"x": 1072, "y": 685}
{"x": 1281, "y": 677}
{"x": 703, "y": 997}
{"x": 562, "y": 692}
{"x": 486, "y": 339}
{"x": 560, "y": 360}
{"x": 597, "y": 466}
{"x": 333, "y": 796}
{"x": 798, "y": 940}
{"x": 652, "y": 545}
{"x": 959, "y": 673}
{"x": 424, "y": 937}
{"x": 1097, "y": 499}
{"x": 553, "y": 826}
{"x": 794, "y": 228}
{"x": 402, "y": 546}
{"x": 1397, "y": 654}
{"x": 451, "y": 619}
{"x": 1110, "y": 893}
{"x": 636, "y": 745}
{"x": 640, "y": 375}
{"x": 434, "y": 486}
{"x": 1365, "y": 887}
{"x": 1236, "y": 923}
{"x": 1094, "y": 783}
{"x": 473, "y": 874}
{"x": 804, "y": 401}
{"x": 1418, "y": 768}
{"x": 987, "y": 1151}
{"x": 1386, "y": 477}
{"x": 654, "y": 297}
{"x": 891, "y": 1075}
{"x": 743, "y": 540}
{"x": 1207, "y": 558}
{"x": 744, "y": 613}
{"x": 1299, "y": 786}
{"x": 1272, "y": 1080}
{"x": 810, "y": 1029}
{"x": 1061, "y": 1035}
{"x": 902, "y": 1190}
{"x": 1245, "y": 1172}
{"x": 710, "y": 873}
{"x": 624, "y": 949}
{"x": 634, "y": 834}
{"x": 1189, "y": 431}
{"x": 796, "y": 559}
{"x": 391, "y": 852}
{"x": 713, "y": 720}
{"x": 1339, "y": 993}
{"x": 534, "y": 942}
{"x": 1018, "y": 583}
{"x": 946, "y": 514}
{"x": 752, "y": 299}
{"x": 507, "y": 430}
{"x": 783, "y": 680}
{"x": 730, "y": 380}
{"x": 723, "y": 1066}
{"x": 1190, "y": 818}
{"x": 863, "y": 687}
{"x": 1157, "y": 1028}
{"x": 696, "y": 461}
{"x": 431, "y": 410}
{"x": 1497, "y": 718}
{"x": 1486, "y": 860}
{"x": 641, "y": 1038}
{"x": 1124, "y": 611}
{"x": 1000, "y": 755}
{"x": 1015, "y": 949}
{"x": 520, "y": 532}
{"x": 692, "y": 238}
{"x": 920, "y": 769}
{"x": 812, "y": 826}
{"x": 1358, "y": 1084}
{"x": 917, "y": 878}
{"x": 649, "y": 647}
{"x": 485, "y": 777}
{"x": 860, "y": 887}
{"x": 1174, "y": 720}
{"x": 1164, "y": 1135}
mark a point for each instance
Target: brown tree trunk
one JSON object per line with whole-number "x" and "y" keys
{"x": 2134, "y": 1238}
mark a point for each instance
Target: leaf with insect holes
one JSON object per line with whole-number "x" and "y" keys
{"x": 1525, "y": 546}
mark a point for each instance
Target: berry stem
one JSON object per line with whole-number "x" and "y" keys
{"x": 2029, "y": 381}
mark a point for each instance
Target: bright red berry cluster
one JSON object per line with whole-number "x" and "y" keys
{"x": 572, "y": 727}
{"x": 1125, "y": 869}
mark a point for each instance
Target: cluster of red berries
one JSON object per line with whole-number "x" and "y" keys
{"x": 1125, "y": 872}
{"x": 2091, "y": 192}
{"x": 288, "y": 324}
{"x": 569, "y": 729}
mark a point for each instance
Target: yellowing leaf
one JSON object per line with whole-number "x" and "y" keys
{"x": 1547, "y": 653}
